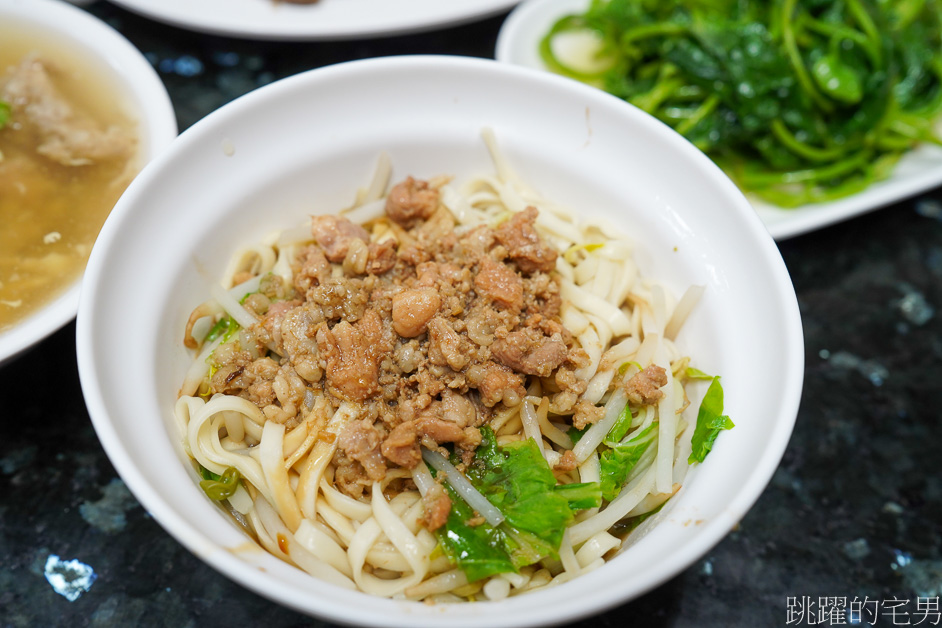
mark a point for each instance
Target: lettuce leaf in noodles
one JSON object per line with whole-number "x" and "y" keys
{"x": 617, "y": 463}
{"x": 710, "y": 422}
{"x": 581, "y": 496}
{"x": 621, "y": 427}
{"x": 477, "y": 549}
{"x": 517, "y": 479}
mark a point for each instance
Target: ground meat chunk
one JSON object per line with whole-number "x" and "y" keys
{"x": 484, "y": 320}
{"x": 349, "y": 475}
{"x": 228, "y": 378}
{"x": 256, "y": 304}
{"x": 410, "y": 201}
{"x": 438, "y": 230}
{"x": 382, "y": 257}
{"x": 644, "y": 388}
{"x": 289, "y": 391}
{"x": 360, "y": 441}
{"x": 500, "y": 383}
{"x": 413, "y": 253}
{"x": 566, "y": 380}
{"x": 402, "y": 447}
{"x": 459, "y": 409}
{"x": 408, "y": 356}
{"x": 340, "y": 298}
{"x": 437, "y": 505}
{"x": 549, "y": 327}
{"x": 585, "y": 412}
{"x": 541, "y": 297}
{"x": 529, "y": 351}
{"x": 351, "y": 353}
{"x": 445, "y": 345}
{"x": 523, "y": 243}
{"x": 275, "y": 314}
{"x": 413, "y": 309}
{"x": 476, "y": 242}
{"x": 310, "y": 269}
{"x": 260, "y": 376}
{"x": 567, "y": 462}
{"x": 237, "y": 374}
{"x": 499, "y": 283}
{"x": 334, "y": 234}
{"x": 427, "y": 274}
{"x": 295, "y": 336}
{"x": 438, "y": 430}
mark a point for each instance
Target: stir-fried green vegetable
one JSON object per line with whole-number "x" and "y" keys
{"x": 5, "y": 113}
{"x": 800, "y": 101}
{"x": 516, "y": 479}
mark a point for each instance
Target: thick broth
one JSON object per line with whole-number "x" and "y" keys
{"x": 51, "y": 213}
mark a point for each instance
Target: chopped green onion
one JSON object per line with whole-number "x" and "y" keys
{"x": 220, "y": 487}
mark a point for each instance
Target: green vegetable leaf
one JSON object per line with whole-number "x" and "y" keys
{"x": 480, "y": 550}
{"x": 837, "y": 80}
{"x": 621, "y": 427}
{"x": 517, "y": 479}
{"x": 225, "y": 327}
{"x": 581, "y": 496}
{"x": 220, "y": 487}
{"x": 627, "y": 365}
{"x": 710, "y": 422}
{"x": 797, "y": 100}
{"x": 6, "y": 113}
{"x": 616, "y": 463}
{"x": 206, "y": 474}
{"x": 693, "y": 373}
{"x": 576, "y": 435}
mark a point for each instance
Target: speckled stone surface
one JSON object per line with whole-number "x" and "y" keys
{"x": 854, "y": 510}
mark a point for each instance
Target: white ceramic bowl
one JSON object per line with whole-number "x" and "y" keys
{"x": 158, "y": 125}
{"x": 303, "y": 145}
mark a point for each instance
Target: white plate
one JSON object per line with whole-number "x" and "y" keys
{"x": 917, "y": 172}
{"x": 326, "y": 19}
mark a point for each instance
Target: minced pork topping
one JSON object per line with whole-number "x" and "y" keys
{"x": 433, "y": 332}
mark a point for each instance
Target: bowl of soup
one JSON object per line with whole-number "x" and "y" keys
{"x": 438, "y": 341}
{"x": 81, "y": 111}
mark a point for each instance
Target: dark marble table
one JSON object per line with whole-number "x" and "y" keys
{"x": 854, "y": 512}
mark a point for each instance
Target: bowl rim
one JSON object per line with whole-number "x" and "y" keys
{"x": 129, "y": 67}
{"x": 503, "y": 613}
